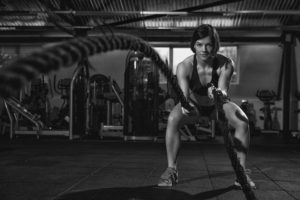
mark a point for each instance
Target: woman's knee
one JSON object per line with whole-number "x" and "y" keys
{"x": 174, "y": 119}
{"x": 239, "y": 120}
{"x": 243, "y": 126}
{"x": 241, "y": 116}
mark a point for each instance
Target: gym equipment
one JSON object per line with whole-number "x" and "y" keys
{"x": 141, "y": 97}
{"x": 275, "y": 120}
{"x": 114, "y": 123}
{"x": 17, "y": 73}
{"x": 268, "y": 98}
{"x": 60, "y": 121}
{"x": 207, "y": 126}
{"x": 99, "y": 84}
{"x": 296, "y": 133}
{"x": 14, "y": 107}
{"x": 37, "y": 102}
{"x": 30, "y": 114}
{"x": 79, "y": 92}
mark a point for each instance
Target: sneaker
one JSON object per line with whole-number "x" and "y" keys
{"x": 169, "y": 178}
{"x": 251, "y": 183}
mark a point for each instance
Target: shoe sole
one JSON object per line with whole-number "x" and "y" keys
{"x": 238, "y": 186}
{"x": 164, "y": 184}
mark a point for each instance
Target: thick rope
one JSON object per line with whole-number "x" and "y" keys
{"x": 220, "y": 99}
{"x": 15, "y": 75}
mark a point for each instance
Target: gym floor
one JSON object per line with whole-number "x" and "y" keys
{"x": 58, "y": 169}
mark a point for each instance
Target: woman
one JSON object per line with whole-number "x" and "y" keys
{"x": 194, "y": 74}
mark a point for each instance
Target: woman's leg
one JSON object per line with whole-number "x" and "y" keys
{"x": 175, "y": 121}
{"x": 239, "y": 121}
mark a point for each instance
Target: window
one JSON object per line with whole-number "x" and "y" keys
{"x": 231, "y": 52}
{"x": 180, "y": 53}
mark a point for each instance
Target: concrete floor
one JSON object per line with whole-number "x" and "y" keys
{"x": 58, "y": 169}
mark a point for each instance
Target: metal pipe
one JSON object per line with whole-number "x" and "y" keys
{"x": 162, "y": 13}
{"x": 287, "y": 86}
{"x": 117, "y": 95}
{"x": 119, "y": 99}
{"x": 87, "y": 103}
{"x": 11, "y": 129}
{"x": 261, "y": 12}
{"x": 218, "y": 13}
{"x": 87, "y": 108}
{"x": 75, "y": 74}
{"x": 281, "y": 75}
{"x": 17, "y": 107}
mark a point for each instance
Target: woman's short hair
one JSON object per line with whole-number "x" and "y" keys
{"x": 203, "y": 31}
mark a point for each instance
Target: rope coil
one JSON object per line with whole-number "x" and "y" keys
{"x": 15, "y": 75}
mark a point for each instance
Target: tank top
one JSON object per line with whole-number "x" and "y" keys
{"x": 195, "y": 84}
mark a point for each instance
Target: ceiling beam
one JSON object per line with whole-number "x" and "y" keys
{"x": 151, "y": 13}
{"x": 293, "y": 19}
{"x": 189, "y": 9}
{"x": 158, "y": 40}
{"x": 14, "y": 30}
{"x": 55, "y": 18}
{"x": 230, "y": 34}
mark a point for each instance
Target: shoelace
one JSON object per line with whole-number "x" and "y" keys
{"x": 170, "y": 173}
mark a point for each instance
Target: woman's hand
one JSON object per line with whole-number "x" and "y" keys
{"x": 210, "y": 93}
{"x": 192, "y": 112}
{"x": 220, "y": 94}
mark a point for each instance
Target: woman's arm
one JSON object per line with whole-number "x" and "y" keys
{"x": 183, "y": 79}
{"x": 182, "y": 73}
{"x": 225, "y": 76}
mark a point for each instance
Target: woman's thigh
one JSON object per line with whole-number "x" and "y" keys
{"x": 177, "y": 116}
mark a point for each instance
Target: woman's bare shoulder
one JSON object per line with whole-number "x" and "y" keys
{"x": 185, "y": 67}
{"x": 224, "y": 59}
{"x": 187, "y": 61}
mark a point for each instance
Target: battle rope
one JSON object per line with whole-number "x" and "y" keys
{"x": 220, "y": 99}
{"x": 16, "y": 74}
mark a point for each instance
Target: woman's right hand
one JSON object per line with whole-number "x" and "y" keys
{"x": 192, "y": 112}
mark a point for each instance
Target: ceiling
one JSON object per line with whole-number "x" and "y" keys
{"x": 154, "y": 20}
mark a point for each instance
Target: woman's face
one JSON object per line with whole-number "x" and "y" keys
{"x": 204, "y": 48}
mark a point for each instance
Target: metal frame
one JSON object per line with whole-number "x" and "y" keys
{"x": 14, "y": 120}
{"x": 16, "y": 106}
{"x": 113, "y": 130}
{"x": 75, "y": 74}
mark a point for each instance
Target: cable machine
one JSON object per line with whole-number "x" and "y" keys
{"x": 141, "y": 98}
